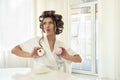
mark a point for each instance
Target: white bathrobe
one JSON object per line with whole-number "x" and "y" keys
{"x": 47, "y": 67}
{"x": 50, "y": 59}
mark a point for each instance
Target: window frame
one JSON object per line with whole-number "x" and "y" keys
{"x": 93, "y": 24}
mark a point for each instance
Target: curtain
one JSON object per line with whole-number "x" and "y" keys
{"x": 16, "y": 26}
{"x": 109, "y": 39}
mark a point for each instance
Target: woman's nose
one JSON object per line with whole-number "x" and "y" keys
{"x": 47, "y": 25}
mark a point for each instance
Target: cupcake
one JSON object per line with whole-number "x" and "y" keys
{"x": 40, "y": 52}
{"x": 58, "y": 51}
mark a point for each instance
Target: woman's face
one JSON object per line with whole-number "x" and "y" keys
{"x": 48, "y": 26}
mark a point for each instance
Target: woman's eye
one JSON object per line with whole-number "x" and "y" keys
{"x": 50, "y": 22}
{"x": 44, "y": 23}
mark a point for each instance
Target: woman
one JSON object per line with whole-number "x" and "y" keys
{"x": 51, "y": 25}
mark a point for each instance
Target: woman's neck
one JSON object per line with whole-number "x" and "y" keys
{"x": 51, "y": 41}
{"x": 51, "y": 37}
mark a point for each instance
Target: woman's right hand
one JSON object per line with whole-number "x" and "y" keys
{"x": 34, "y": 52}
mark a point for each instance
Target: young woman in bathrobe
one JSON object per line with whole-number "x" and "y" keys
{"x": 51, "y": 25}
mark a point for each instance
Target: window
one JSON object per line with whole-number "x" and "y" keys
{"x": 83, "y": 36}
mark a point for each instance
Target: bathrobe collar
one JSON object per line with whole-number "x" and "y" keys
{"x": 48, "y": 51}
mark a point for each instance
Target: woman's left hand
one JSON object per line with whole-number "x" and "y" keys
{"x": 65, "y": 54}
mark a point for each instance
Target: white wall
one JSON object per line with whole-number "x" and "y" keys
{"x": 109, "y": 39}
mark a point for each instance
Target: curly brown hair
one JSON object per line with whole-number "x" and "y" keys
{"x": 57, "y": 19}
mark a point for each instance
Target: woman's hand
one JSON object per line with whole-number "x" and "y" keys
{"x": 65, "y": 54}
{"x": 74, "y": 58}
{"x": 34, "y": 52}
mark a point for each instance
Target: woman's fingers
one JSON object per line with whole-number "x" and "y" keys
{"x": 34, "y": 53}
{"x": 36, "y": 48}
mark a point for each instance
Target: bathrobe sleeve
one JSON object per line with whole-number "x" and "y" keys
{"x": 69, "y": 50}
{"x": 29, "y": 45}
